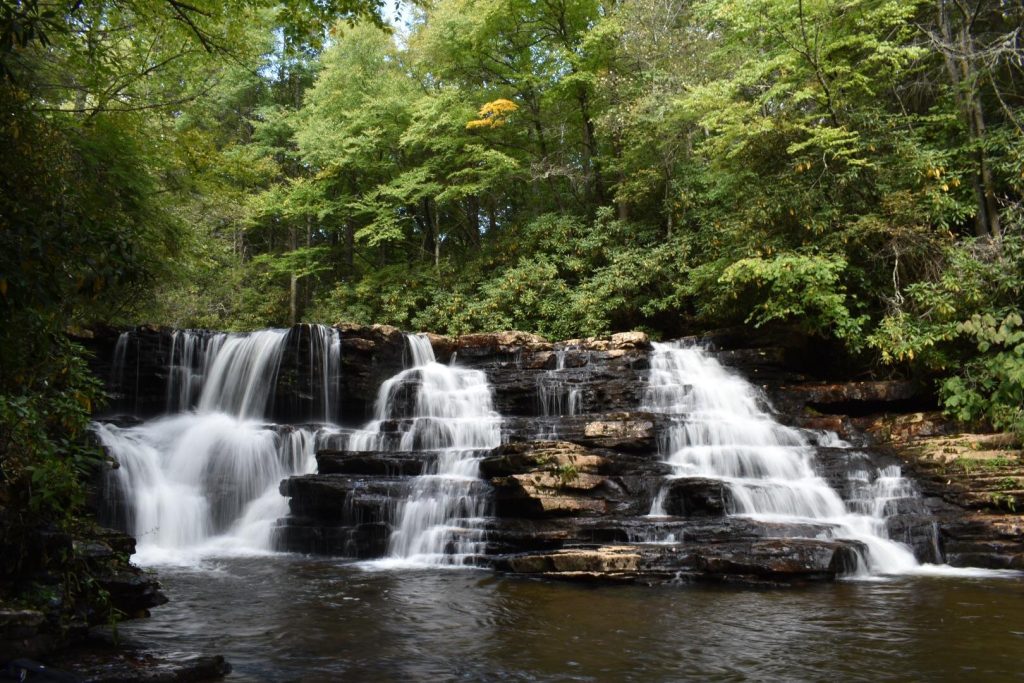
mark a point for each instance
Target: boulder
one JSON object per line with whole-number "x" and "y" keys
{"x": 630, "y": 340}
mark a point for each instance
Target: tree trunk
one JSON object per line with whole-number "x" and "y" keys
{"x": 293, "y": 285}
{"x": 595, "y": 193}
{"x": 965, "y": 92}
{"x": 435, "y": 221}
{"x": 473, "y": 220}
{"x": 350, "y": 246}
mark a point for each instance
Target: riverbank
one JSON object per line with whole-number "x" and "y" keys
{"x": 71, "y": 585}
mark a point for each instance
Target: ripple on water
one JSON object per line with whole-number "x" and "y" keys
{"x": 294, "y": 618}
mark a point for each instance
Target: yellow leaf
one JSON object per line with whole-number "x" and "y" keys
{"x": 493, "y": 114}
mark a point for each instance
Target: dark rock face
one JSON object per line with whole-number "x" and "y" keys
{"x": 381, "y": 463}
{"x": 696, "y": 497}
{"x": 852, "y": 398}
{"x": 973, "y": 486}
{"x": 97, "y": 553}
{"x": 571, "y": 489}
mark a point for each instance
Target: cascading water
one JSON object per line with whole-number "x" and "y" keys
{"x": 241, "y": 373}
{"x": 558, "y": 397}
{"x": 720, "y": 432}
{"x": 196, "y": 483}
{"x": 325, "y": 370}
{"x": 447, "y": 412}
{"x": 185, "y": 369}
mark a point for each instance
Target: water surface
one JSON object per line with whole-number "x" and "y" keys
{"x": 289, "y": 618}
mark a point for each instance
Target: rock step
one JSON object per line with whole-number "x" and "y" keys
{"x": 380, "y": 463}
{"x": 342, "y": 498}
{"x": 623, "y": 430}
{"x": 774, "y": 561}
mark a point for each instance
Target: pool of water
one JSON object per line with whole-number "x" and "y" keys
{"x": 287, "y": 618}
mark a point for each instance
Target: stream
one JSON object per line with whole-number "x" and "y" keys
{"x": 291, "y": 618}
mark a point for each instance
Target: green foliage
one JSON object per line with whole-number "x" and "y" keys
{"x": 805, "y": 288}
{"x": 965, "y": 323}
{"x": 43, "y": 453}
{"x": 108, "y": 160}
{"x": 990, "y": 386}
{"x": 567, "y": 473}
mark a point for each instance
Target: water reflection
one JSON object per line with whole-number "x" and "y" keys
{"x": 298, "y": 619}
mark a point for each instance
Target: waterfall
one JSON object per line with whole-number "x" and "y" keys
{"x": 186, "y": 368}
{"x": 242, "y": 373}
{"x": 447, "y": 412}
{"x": 558, "y": 396}
{"x": 191, "y": 484}
{"x": 325, "y": 370}
{"x": 720, "y": 431}
{"x": 118, "y": 367}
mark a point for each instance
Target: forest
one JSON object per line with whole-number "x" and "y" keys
{"x": 567, "y": 167}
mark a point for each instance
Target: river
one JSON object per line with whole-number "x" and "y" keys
{"x": 292, "y": 618}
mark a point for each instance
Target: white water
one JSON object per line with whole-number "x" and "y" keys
{"x": 558, "y": 396}
{"x": 205, "y": 483}
{"x": 446, "y": 411}
{"x": 242, "y": 372}
{"x": 186, "y": 368}
{"x": 325, "y": 370}
{"x": 723, "y": 433}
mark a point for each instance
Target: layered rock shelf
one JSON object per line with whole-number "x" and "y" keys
{"x": 571, "y": 489}
{"x": 974, "y": 486}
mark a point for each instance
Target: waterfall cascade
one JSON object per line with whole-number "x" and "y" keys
{"x": 205, "y": 478}
{"x": 720, "y": 431}
{"x": 193, "y": 483}
{"x": 558, "y": 395}
{"x": 446, "y": 412}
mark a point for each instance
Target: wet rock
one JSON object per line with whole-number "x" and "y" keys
{"x": 606, "y": 562}
{"x": 631, "y": 432}
{"x": 973, "y": 486}
{"x": 340, "y": 514}
{"x": 381, "y": 463}
{"x": 132, "y": 591}
{"x": 788, "y": 559}
{"x": 100, "y": 661}
{"x": 369, "y": 355}
{"x": 323, "y": 537}
{"x": 692, "y": 496}
{"x": 344, "y": 498}
{"x": 542, "y": 494}
{"x": 552, "y": 456}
